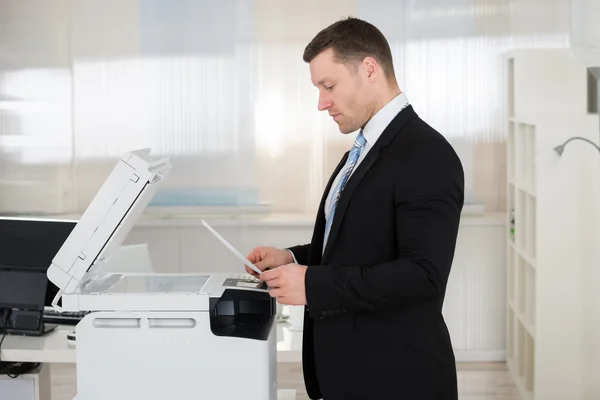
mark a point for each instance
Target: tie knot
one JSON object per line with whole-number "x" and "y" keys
{"x": 360, "y": 140}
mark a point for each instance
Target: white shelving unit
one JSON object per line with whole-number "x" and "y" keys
{"x": 548, "y": 103}
{"x": 521, "y": 269}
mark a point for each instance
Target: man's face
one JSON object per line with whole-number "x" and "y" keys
{"x": 343, "y": 91}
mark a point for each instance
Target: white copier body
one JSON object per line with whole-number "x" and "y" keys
{"x": 157, "y": 336}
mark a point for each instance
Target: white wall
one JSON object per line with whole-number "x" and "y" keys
{"x": 589, "y": 169}
{"x": 568, "y": 307}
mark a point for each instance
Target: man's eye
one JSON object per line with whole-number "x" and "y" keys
{"x": 328, "y": 87}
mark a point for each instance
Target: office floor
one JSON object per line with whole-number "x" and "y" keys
{"x": 477, "y": 381}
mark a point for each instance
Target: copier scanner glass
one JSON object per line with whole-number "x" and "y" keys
{"x": 147, "y": 284}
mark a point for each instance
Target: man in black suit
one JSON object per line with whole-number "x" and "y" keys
{"x": 374, "y": 275}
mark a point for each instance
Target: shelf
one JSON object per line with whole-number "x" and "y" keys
{"x": 524, "y": 238}
{"x": 519, "y": 381}
{"x": 530, "y": 233}
{"x": 520, "y": 219}
{"x": 511, "y": 212}
{"x": 510, "y": 332}
{"x": 531, "y": 262}
{"x": 521, "y": 286}
{"x": 520, "y": 154}
{"x": 529, "y": 363}
{"x": 511, "y": 257}
{"x": 521, "y": 320}
{"x": 525, "y": 362}
{"x": 529, "y": 316}
{"x": 511, "y": 151}
{"x": 529, "y": 163}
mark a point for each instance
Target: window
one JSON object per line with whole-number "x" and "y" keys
{"x": 221, "y": 88}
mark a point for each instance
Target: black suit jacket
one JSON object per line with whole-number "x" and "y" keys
{"x": 373, "y": 325}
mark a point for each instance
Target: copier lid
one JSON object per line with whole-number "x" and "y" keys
{"x": 109, "y": 218}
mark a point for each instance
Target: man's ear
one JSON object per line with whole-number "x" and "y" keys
{"x": 370, "y": 66}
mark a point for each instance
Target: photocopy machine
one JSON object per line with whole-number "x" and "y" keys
{"x": 157, "y": 336}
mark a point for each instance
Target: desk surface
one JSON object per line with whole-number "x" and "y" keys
{"x": 50, "y": 348}
{"x": 54, "y": 347}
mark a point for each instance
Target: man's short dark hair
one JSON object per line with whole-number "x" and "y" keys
{"x": 352, "y": 40}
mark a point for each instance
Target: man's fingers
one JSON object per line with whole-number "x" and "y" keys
{"x": 274, "y": 283}
{"x": 254, "y": 255}
{"x": 270, "y": 274}
{"x": 263, "y": 264}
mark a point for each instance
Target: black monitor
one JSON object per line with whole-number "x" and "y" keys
{"x": 22, "y": 288}
{"x": 27, "y": 247}
{"x": 33, "y": 243}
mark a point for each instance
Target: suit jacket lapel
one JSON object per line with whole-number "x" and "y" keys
{"x": 367, "y": 163}
{"x": 317, "y": 248}
{"x": 346, "y": 194}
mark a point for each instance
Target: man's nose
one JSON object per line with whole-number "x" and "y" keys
{"x": 324, "y": 103}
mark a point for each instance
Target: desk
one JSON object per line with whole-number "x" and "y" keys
{"x": 53, "y": 348}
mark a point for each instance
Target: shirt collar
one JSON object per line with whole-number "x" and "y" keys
{"x": 383, "y": 117}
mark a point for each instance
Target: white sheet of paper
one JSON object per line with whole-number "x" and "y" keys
{"x": 231, "y": 248}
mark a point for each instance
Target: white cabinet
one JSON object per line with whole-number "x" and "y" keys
{"x": 30, "y": 386}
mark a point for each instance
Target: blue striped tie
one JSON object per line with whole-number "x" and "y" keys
{"x": 359, "y": 144}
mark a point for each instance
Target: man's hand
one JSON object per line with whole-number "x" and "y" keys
{"x": 267, "y": 257}
{"x": 287, "y": 284}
